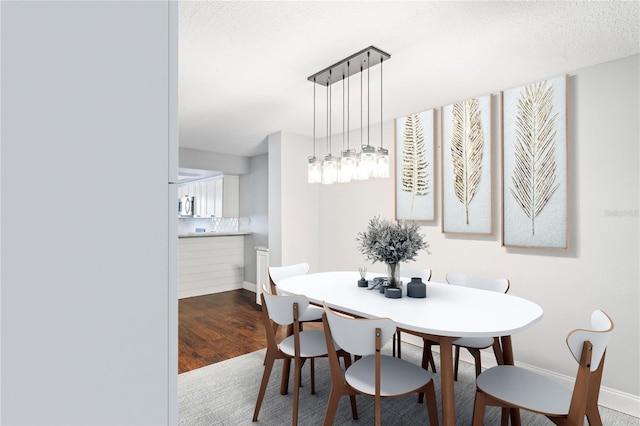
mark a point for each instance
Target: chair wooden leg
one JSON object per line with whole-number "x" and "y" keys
{"x": 332, "y": 407}
{"x": 398, "y": 334}
{"x": 284, "y": 384}
{"x": 427, "y": 356}
{"x": 479, "y": 407}
{"x": 456, "y": 362}
{"x": 377, "y": 411}
{"x": 592, "y": 412}
{"x": 432, "y": 405}
{"x": 504, "y": 418}
{"x": 296, "y": 390}
{"x": 313, "y": 376}
{"x": 268, "y": 366}
{"x": 478, "y": 360}
{"x": 497, "y": 351}
{"x": 354, "y": 407}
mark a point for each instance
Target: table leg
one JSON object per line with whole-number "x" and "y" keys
{"x": 446, "y": 381}
{"x": 507, "y": 353}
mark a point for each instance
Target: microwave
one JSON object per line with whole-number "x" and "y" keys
{"x": 186, "y": 205}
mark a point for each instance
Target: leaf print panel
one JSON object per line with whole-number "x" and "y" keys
{"x": 415, "y": 171}
{"x": 535, "y": 165}
{"x": 467, "y": 196}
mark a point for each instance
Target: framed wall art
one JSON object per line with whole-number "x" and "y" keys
{"x": 535, "y": 167}
{"x": 415, "y": 167}
{"x": 466, "y": 172}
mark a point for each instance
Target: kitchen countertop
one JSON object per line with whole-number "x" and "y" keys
{"x": 213, "y": 234}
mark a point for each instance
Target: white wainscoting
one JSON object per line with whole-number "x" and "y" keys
{"x": 209, "y": 265}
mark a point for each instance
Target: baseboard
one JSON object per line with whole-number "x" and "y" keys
{"x": 611, "y": 398}
{"x": 208, "y": 290}
{"x": 250, "y": 286}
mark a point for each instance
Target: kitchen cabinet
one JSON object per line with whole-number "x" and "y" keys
{"x": 228, "y": 196}
{"x": 215, "y": 197}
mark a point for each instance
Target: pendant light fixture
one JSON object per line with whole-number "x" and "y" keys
{"x": 351, "y": 165}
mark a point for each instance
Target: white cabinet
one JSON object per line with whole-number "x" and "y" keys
{"x": 228, "y": 196}
{"x": 215, "y": 197}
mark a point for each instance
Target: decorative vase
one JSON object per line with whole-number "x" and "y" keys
{"x": 416, "y": 288}
{"x": 393, "y": 275}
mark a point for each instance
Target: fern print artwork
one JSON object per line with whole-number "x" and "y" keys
{"x": 414, "y": 165}
{"x": 466, "y": 167}
{"x": 535, "y": 165}
{"x": 414, "y": 159}
{"x": 533, "y": 181}
{"x": 467, "y": 143}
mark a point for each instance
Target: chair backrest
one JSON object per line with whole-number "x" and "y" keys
{"x": 356, "y": 335}
{"x": 500, "y": 285}
{"x": 409, "y": 272}
{"x": 280, "y": 308}
{"x": 277, "y": 273}
{"x": 601, "y": 328}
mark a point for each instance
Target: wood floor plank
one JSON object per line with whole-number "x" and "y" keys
{"x": 215, "y": 327}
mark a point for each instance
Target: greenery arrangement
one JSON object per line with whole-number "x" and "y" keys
{"x": 390, "y": 242}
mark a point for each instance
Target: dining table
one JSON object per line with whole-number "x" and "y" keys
{"x": 447, "y": 313}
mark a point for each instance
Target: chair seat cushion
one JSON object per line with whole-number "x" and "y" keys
{"x": 313, "y": 313}
{"x": 312, "y": 344}
{"x": 474, "y": 342}
{"x": 397, "y": 376}
{"x": 526, "y": 389}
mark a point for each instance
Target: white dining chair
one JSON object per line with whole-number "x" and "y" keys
{"x": 513, "y": 387}
{"x": 277, "y": 273}
{"x": 299, "y": 346}
{"x": 373, "y": 374}
{"x": 408, "y": 272}
{"x": 472, "y": 344}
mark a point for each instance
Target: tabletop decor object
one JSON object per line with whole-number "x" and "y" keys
{"x": 391, "y": 242}
{"x": 393, "y": 293}
{"x": 362, "y": 282}
{"x": 416, "y": 288}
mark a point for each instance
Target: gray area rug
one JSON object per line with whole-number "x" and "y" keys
{"x": 225, "y": 394}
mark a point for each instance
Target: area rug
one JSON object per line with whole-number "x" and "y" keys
{"x": 225, "y": 394}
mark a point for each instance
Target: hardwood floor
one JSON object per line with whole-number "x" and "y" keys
{"x": 216, "y": 327}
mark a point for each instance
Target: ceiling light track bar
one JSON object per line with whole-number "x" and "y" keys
{"x": 362, "y": 60}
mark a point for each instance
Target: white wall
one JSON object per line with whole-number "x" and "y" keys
{"x": 293, "y": 204}
{"x": 254, "y": 205}
{"x": 599, "y": 271}
{"x": 88, "y": 309}
{"x": 205, "y": 160}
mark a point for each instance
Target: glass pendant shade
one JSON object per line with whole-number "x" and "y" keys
{"x": 347, "y": 166}
{"x": 367, "y": 162}
{"x": 314, "y": 170}
{"x": 381, "y": 169}
{"x": 329, "y": 170}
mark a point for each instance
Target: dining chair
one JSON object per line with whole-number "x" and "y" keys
{"x": 472, "y": 344}
{"x": 299, "y": 346}
{"x": 277, "y": 273}
{"x": 512, "y": 387}
{"x": 409, "y": 272}
{"x": 373, "y": 374}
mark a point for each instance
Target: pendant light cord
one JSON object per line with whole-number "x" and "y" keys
{"x": 368, "y": 96}
{"x": 381, "y": 60}
{"x": 314, "y": 117}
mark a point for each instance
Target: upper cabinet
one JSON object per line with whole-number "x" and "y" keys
{"x": 215, "y": 197}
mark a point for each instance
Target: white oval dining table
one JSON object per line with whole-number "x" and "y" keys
{"x": 446, "y": 314}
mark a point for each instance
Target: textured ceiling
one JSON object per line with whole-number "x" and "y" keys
{"x": 243, "y": 66}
